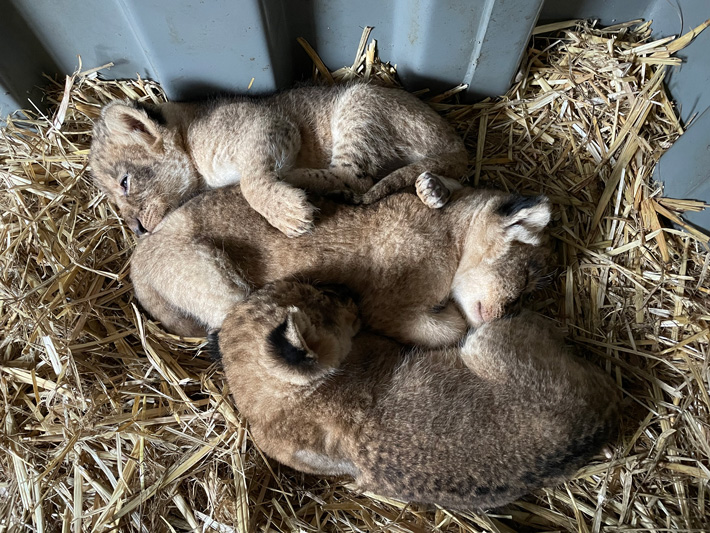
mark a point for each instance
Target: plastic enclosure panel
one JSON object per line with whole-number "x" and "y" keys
{"x": 199, "y": 48}
{"x": 435, "y": 44}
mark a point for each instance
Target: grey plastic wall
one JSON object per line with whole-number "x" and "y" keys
{"x": 193, "y": 48}
{"x": 196, "y": 48}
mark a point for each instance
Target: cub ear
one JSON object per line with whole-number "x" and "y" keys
{"x": 132, "y": 125}
{"x": 287, "y": 340}
{"x": 525, "y": 218}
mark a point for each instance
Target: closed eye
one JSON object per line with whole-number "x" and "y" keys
{"x": 125, "y": 183}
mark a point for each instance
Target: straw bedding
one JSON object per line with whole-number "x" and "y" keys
{"x": 109, "y": 423}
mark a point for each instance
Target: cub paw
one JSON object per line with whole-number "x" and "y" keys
{"x": 292, "y": 214}
{"x": 432, "y": 190}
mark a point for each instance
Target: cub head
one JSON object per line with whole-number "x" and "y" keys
{"x": 507, "y": 255}
{"x": 293, "y": 331}
{"x": 140, "y": 163}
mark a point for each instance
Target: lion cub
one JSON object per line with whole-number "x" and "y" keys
{"x": 415, "y": 269}
{"x": 150, "y": 159}
{"x": 472, "y": 427}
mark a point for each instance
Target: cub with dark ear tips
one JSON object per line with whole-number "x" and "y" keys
{"x": 422, "y": 275}
{"x": 508, "y": 411}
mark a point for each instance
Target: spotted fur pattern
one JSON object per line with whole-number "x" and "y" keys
{"x": 150, "y": 159}
{"x": 471, "y": 427}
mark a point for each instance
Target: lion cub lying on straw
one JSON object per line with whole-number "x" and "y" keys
{"x": 405, "y": 261}
{"x": 475, "y": 426}
{"x": 150, "y": 159}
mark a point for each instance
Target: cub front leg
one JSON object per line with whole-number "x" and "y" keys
{"x": 283, "y": 206}
{"x": 264, "y": 155}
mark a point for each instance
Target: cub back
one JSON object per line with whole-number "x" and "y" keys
{"x": 509, "y": 411}
{"x": 414, "y": 269}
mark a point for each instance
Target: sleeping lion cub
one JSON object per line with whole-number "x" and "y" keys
{"x": 471, "y": 427}
{"x": 414, "y": 269}
{"x": 150, "y": 159}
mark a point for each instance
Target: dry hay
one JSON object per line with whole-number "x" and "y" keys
{"x": 109, "y": 423}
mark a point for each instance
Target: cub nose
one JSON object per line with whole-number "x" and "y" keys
{"x": 490, "y": 312}
{"x": 137, "y": 227}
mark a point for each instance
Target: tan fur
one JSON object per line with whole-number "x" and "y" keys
{"x": 315, "y": 138}
{"x": 471, "y": 427}
{"x": 411, "y": 266}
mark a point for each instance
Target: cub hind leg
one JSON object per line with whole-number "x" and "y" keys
{"x": 434, "y": 191}
{"x": 194, "y": 302}
{"x": 358, "y": 152}
{"x": 453, "y": 164}
{"x": 527, "y": 354}
{"x": 327, "y": 180}
{"x": 404, "y": 137}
